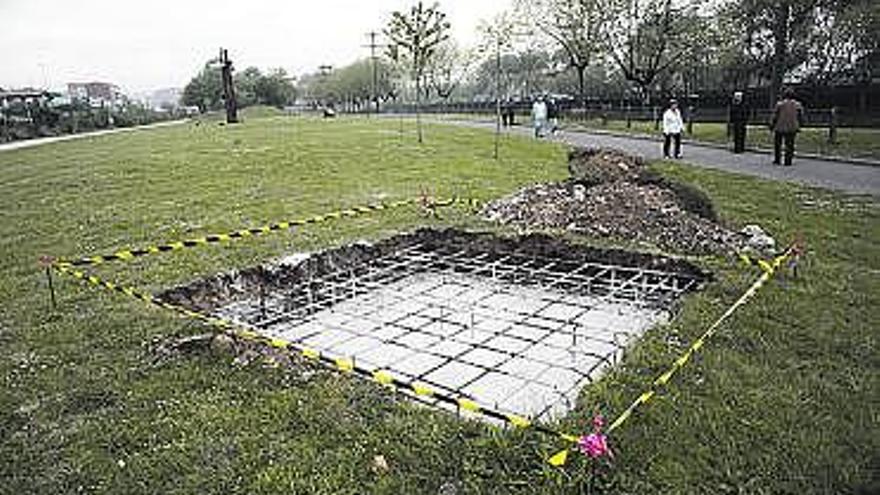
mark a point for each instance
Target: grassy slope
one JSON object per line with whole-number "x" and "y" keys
{"x": 780, "y": 402}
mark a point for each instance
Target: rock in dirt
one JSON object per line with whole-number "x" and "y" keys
{"x": 756, "y": 240}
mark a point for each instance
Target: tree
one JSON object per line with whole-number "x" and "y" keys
{"x": 771, "y": 37}
{"x": 252, "y": 87}
{"x": 446, "y": 70}
{"x": 205, "y": 90}
{"x": 414, "y": 37}
{"x": 846, "y": 33}
{"x": 646, "y": 37}
{"x": 522, "y": 74}
{"x": 574, "y": 25}
{"x": 246, "y": 83}
{"x": 275, "y": 89}
{"x": 352, "y": 84}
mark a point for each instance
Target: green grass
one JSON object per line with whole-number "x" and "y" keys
{"x": 780, "y": 402}
{"x": 851, "y": 142}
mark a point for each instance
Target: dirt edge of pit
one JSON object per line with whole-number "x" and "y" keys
{"x": 208, "y": 293}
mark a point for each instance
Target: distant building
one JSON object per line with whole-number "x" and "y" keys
{"x": 24, "y": 95}
{"x": 97, "y": 94}
{"x": 16, "y": 105}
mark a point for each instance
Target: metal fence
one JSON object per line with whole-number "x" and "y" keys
{"x": 814, "y": 117}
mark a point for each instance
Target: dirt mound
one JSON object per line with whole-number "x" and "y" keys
{"x": 612, "y": 194}
{"x": 593, "y": 166}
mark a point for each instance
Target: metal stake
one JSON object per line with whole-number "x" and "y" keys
{"x": 51, "y": 286}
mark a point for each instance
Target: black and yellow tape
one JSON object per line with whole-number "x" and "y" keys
{"x": 128, "y": 254}
{"x": 758, "y": 262}
{"x": 769, "y": 269}
{"x": 341, "y": 364}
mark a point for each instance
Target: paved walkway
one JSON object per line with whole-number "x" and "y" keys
{"x": 840, "y": 176}
{"x": 28, "y": 143}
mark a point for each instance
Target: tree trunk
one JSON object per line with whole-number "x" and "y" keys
{"x": 418, "y": 107}
{"x": 580, "y": 70}
{"x": 780, "y": 50}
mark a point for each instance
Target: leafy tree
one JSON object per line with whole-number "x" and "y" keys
{"x": 414, "y": 37}
{"x": 772, "y": 37}
{"x": 246, "y": 83}
{"x": 275, "y": 88}
{"x": 252, "y": 87}
{"x": 205, "y": 90}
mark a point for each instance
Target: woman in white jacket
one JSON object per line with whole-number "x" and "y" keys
{"x": 672, "y": 127}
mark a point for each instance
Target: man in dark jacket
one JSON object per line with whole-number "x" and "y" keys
{"x": 552, "y": 115}
{"x": 739, "y": 119}
{"x": 787, "y": 120}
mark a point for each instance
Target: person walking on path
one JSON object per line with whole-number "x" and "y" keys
{"x": 787, "y": 120}
{"x": 507, "y": 115}
{"x": 739, "y": 119}
{"x": 672, "y": 127}
{"x": 539, "y": 116}
{"x": 552, "y": 115}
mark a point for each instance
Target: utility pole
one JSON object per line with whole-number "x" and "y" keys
{"x": 228, "y": 87}
{"x": 372, "y": 46}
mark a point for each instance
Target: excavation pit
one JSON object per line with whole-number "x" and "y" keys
{"x": 517, "y": 324}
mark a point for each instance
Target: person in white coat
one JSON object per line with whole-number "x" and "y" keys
{"x": 672, "y": 127}
{"x": 539, "y": 117}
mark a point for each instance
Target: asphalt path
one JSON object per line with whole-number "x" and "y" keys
{"x": 836, "y": 175}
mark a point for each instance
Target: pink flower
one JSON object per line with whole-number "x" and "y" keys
{"x": 594, "y": 445}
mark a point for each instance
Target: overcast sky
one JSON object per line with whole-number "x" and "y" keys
{"x": 147, "y": 45}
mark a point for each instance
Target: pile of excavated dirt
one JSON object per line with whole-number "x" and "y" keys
{"x": 595, "y": 166}
{"x": 612, "y": 194}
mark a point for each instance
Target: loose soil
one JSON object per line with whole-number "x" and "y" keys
{"x": 612, "y": 194}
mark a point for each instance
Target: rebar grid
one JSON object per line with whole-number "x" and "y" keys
{"x": 472, "y": 318}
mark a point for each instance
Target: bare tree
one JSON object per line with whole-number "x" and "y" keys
{"x": 498, "y": 35}
{"x": 446, "y": 70}
{"x": 646, "y": 37}
{"x": 574, "y": 25}
{"x": 414, "y": 37}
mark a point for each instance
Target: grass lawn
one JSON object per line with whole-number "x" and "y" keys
{"x": 779, "y": 402}
{"x": 851, "y": 142}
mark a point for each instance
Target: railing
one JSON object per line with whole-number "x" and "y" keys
{"x": 814, "y": 117}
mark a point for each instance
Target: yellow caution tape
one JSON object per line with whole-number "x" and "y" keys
{"x": 422, "y": 390}
{"x": 341, "y": 364}
{"x": 518, "y": 421}
{"x": 697, "y": 344}
{"x": 559, "y": 459}
{"x": 468, "y": 405}
{"x": 345, "y": 365}
{"x": 383, "y": 377}
{"x": 128, "y": 254}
